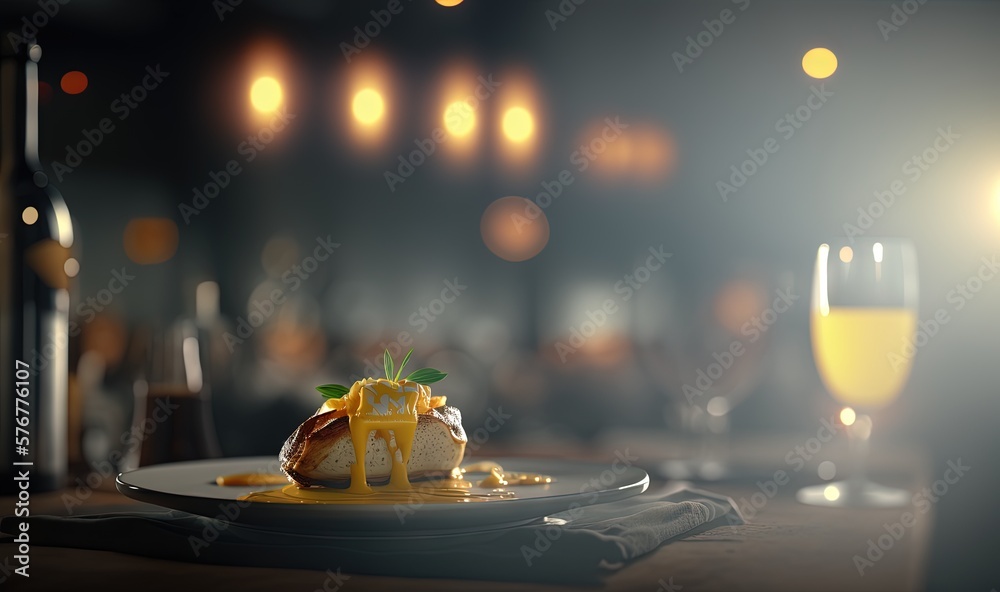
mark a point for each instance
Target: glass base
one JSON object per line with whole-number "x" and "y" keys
{"x": 854, "y": 494}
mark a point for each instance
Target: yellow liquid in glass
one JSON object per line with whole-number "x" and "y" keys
{"x": 852, "y": 346}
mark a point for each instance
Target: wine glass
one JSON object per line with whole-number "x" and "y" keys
{"x": 863, "y": 312}
{"x": 172, "y": 419}
{"x": 685, "y": 341}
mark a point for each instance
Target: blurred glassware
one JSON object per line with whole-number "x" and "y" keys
{"x": 706, "y": 355}
{"x": 863, "y": 312}
{"x": 172, "y": 418}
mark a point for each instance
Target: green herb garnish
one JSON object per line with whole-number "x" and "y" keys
{"x": 333, "y": 391}
{"x": 403, "y": 363}
{"x": 426, "y": 376}
{"x": 422, "y": 376}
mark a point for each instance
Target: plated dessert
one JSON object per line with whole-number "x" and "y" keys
{"x": 384, "y": 440}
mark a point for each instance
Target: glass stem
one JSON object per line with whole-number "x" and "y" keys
{"x": 858, "y": 436}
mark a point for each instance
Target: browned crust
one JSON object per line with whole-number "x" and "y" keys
{"x": 320, "y": 430}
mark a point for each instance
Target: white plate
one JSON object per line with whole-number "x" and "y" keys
{"x": 190, "y": 486}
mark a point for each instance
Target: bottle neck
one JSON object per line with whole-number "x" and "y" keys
{"x": 19, "y": 109}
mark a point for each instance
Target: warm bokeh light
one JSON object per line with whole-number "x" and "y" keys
{"x": 150, "y": 240}
{"x": 826, "y": 470}
{"x": 518, "y": 124}
{"x": 878, "y": 251}
{"x": 71, "y": 267}
{"x": 831, "y": 492}
{"x": 514, "y": 228}
{"x": 73, "y": 82}
{"x": 846, "y": 254}
{"x": 819, "y": 62}
{"x": 368, "y": 106}
{"x": 266, "y": 94}
{"x": 652, "y": 152}
{"x": 848, "y": 416}
{"x": 29, "y": 215}
{"x": 459, "y": 118}
{"x": 737, "y": 301}
{"x": 369, "y": 97}
{"x": 449, "y": 2}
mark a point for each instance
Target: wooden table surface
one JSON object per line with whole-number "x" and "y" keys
{"x": 785, "y": 546}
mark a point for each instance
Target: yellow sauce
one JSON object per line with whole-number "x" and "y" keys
{"x": 453, "y": 489}
{"x": 389, "y": 408}
{"x": 244, "y": 479}
{"x": 447, "y": 491}
{"x": 497, "y": 477}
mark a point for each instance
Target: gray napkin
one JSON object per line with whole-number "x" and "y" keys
{"x": 578, "y": 548}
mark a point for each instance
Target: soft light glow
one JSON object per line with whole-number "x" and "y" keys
{"x": 819, "y": 62}
{"x": 74, "y": 82}
{"x": 514, "y": 228}
{"x": 368, "y": 106}
{"x": 846, "y": 254}
{"x": 831, "y": 492}
{"x": 29, "y": 215}
{"x": 206, "y": 303}
{"x": 737, "y": 301}
{"x": 71, "y": 267}
{"x": 192, "y": 364}
{"x": 459, "y": 118}
{"x": 826, "y": 470}
{"x": 718, "y": 406}
{"x": 877, "y": 252}
{"x": 848, "y": 416}
{"x": 651, "y": 152}
{"x": 150, "y": 240}
{"x": 518, "y": 124}
{"x": 822, "y": 258}
{"x": 449, "y": 2}
{"x": 266, "y": 94}
{"x": 996, "y": 199}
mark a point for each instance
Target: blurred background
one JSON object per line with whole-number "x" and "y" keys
{"x": 573, "y": 208}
